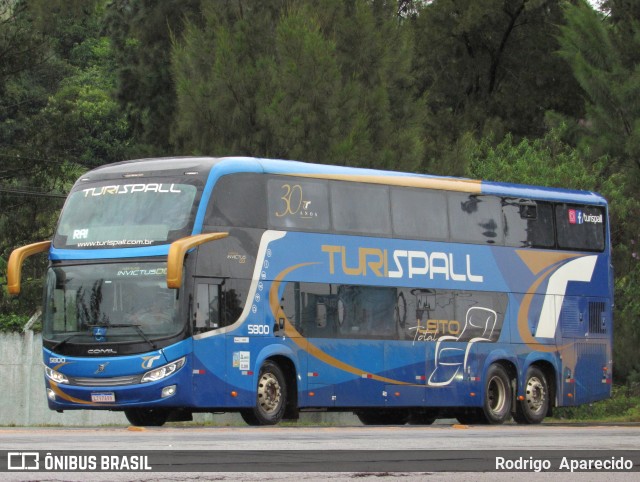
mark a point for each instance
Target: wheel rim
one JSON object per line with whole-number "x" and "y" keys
{"x": 269, "y": 393}
{"x": 535, "y": 395}
{"x": 496, "y": 395}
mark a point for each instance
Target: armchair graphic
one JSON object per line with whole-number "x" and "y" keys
{"x": 449, "y": 360}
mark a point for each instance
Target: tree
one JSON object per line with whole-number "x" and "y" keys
{"x": 327, "y": 82}
{"x": 489, "y": 68}
{"x": 141, "y": 32}
{"x": 56, "y": 119}
{"x": 604, "y": 58}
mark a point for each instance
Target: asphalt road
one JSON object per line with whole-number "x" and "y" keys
{"x": 320, "y": 442}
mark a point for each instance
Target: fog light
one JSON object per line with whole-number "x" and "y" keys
{"x": 169, "y": 391}
{"x": 51, "y": 394}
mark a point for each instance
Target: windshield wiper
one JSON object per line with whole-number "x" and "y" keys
{"x": 128, "y": 325}
{"x": 63, "y": 341}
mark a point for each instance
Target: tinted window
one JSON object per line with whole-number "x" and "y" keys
{"x": 580, "y": 227}
{"x": 528, "y": 224}
{"x": 125, "y": 214}
{"x": 418, "y": 213}
{"x": 298, "y": 204}
{"x": 320, "y": 310}
{"x": 430, "y": 314}
{"x": 360, "y": 208}
{"x": 207, "y": 307}
{"x": 480, "y": 315}
{"x": 316, "y": 309}
{"x": 455, "y": 315}
{"x": 366, "y": 312}
{"x": 475, "y": 219}
{"x": 238, "y": 200}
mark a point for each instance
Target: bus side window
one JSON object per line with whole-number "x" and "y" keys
{"x": 207, "y": 309}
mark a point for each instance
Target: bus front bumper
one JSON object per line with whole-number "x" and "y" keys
{"x": 172, "y": 391}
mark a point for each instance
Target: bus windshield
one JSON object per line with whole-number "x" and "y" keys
{"x": 109, "y": 302}
{"x": 122, "y": 214}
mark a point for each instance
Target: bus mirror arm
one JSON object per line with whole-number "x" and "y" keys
{"x": 177, "y": 252}
{"x": 16, "y": 260}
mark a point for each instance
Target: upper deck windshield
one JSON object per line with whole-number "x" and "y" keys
{"x": 127, "y": 213}
{"x": 123, "y": 302}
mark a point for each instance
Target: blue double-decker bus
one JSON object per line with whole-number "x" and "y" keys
{"x": 270, "y": 287}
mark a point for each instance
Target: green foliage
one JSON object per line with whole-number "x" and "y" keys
{"x": 94, "y": 131}
{"x": 140, "y": 32}
{"x": 11, "y": 322}
{"x": 610, "y": 78}
{"x": 327, "y": 85}
{"x": 488, "y": 68}
{"x": 56, "y": 115}
{"x": 546, "y": 161}
{"x": 623, "y": 406}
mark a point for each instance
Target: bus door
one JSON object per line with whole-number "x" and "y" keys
{"x": 209, "y": 349}
{"x": 310, "y": 307}
{"x": 585, "y": 327}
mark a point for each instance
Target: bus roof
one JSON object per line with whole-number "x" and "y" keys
{"x": 227, "y": 165}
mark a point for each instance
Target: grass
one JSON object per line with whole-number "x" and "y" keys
{"x": 623, "y": 406}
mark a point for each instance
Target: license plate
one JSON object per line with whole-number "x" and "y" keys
{"x": 103, "y": 397}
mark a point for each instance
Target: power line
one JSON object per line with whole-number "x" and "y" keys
{"x": 25, "y": 191}
{"x": 39, "y": 159}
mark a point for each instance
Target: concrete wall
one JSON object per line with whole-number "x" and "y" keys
{"x": 23, "y": 400}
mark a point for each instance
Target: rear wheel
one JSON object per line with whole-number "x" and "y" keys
{"x": 271, "y": 397}
{"x": 535, "y": 405}
{"x": 497, "y": 395}
{"x": 147, "y": 417}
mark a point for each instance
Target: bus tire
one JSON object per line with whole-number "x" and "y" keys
{"x": 535, "y": 405}
{"x": 147, "y": 417}
{"x": 271, "y": 397}
{"x": 497, "y": 395}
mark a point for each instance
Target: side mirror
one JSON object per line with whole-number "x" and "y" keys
{"x": 16, "y": 260}
{"x": 177, "y": 252}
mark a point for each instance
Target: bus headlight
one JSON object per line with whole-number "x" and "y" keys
{"x": 55, "y": 376}
{"x": 163, "y": 371}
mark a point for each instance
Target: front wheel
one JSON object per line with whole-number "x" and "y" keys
{"x": 497, "y": 395}
{"x": 271, "y": 397}
{"x": 147, "y": 417}
{"x": 535, "y": 405}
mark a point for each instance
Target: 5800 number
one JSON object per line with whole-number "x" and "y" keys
{"x": 258, "y": 329}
